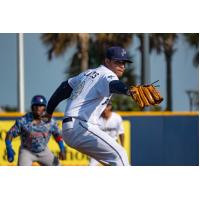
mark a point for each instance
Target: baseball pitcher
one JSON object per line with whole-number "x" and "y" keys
{"x": 87, "y": 95}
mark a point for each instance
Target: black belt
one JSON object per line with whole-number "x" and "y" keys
{"x": 68, "y": 119}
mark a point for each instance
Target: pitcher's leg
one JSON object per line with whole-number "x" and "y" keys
{"x": 93, "y": 162}
{"x": 97, "y": 144}
{"x": 106, "y": 152}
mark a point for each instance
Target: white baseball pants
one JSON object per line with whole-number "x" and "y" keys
{"x": 92, "y": 141}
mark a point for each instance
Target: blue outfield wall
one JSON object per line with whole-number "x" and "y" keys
{"x": 159, "y": 138}
{"x": 164, "y": 140}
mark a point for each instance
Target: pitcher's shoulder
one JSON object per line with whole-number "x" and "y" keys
{"x": 107, "y": 72}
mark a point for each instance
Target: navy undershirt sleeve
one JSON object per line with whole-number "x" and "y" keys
{"x": 62, "y": 92}
{"x": 118, "y": 87}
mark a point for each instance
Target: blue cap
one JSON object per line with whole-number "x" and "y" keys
{"x": 117, "y": 53}
{"x": 38, "y": 100}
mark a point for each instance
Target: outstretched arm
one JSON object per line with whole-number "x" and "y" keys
{"x": 118, "y": 87}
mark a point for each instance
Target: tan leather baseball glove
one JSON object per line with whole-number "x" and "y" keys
{"x": 145, "y": 95}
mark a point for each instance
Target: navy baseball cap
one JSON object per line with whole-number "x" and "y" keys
{"x": 117, "y": 53}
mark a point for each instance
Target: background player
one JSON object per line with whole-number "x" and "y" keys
{"x": 111, "y": 123}
{"x": 87, "y": 95}
{"x": 35, "y": 134}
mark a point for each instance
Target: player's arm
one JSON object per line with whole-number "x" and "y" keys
{"x": 62, "y": 92}
{"x": 58, "y": 138}
{"x": 120, "y": 129}
{"x": 121, "y": 138}
{"x": 9, "y": 149}
{"x": 13, "y": 132}
{"x": 118, "y": 87}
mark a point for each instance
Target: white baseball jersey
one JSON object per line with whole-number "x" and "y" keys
{"x": 90, "y": 94}
{"x": 112, "y": 126}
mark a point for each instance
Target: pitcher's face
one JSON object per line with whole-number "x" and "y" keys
{"x": 118, "y": 67}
